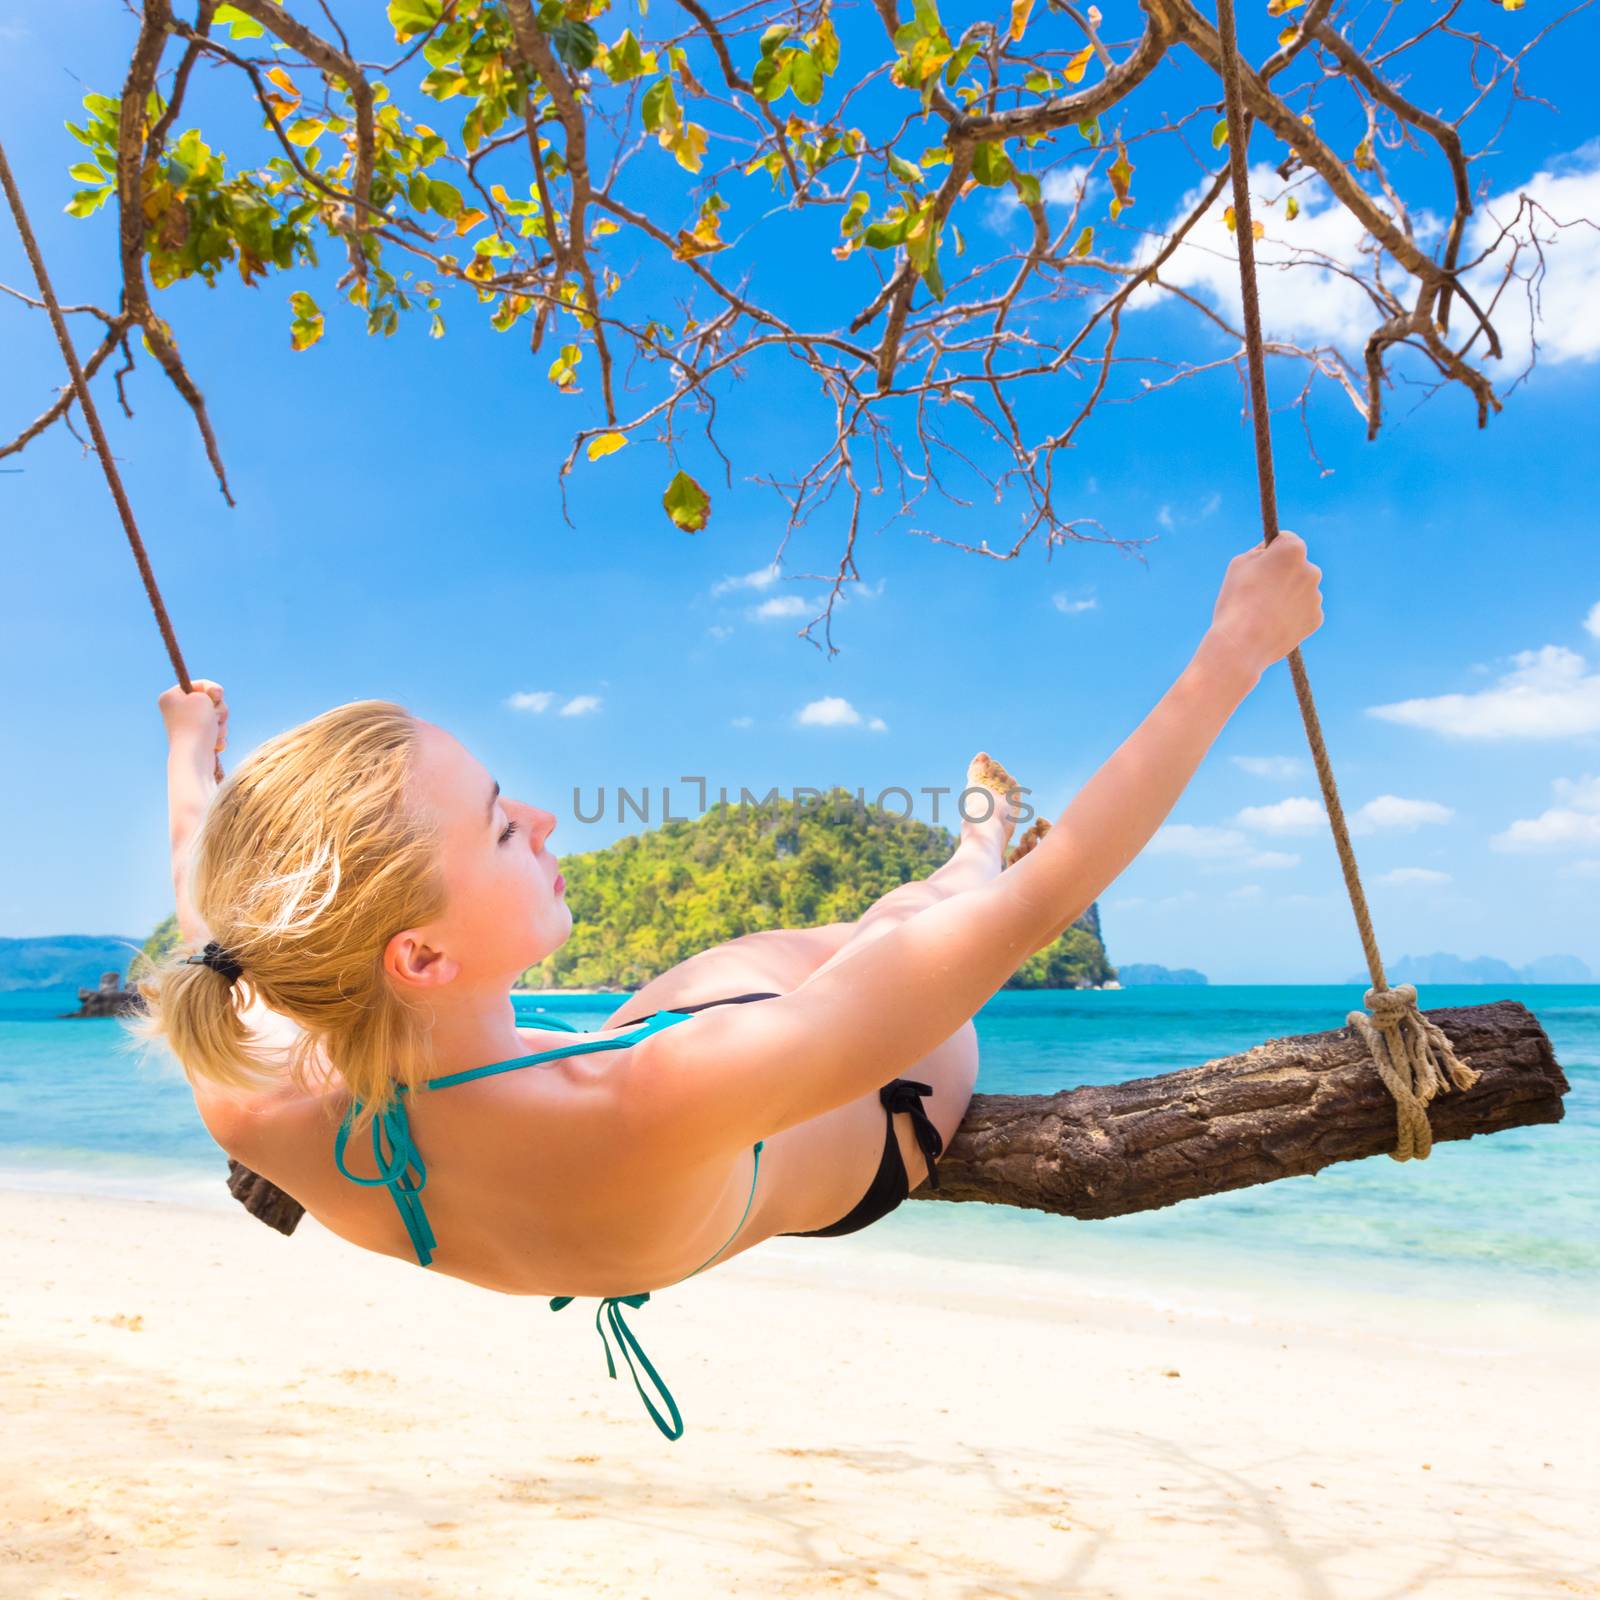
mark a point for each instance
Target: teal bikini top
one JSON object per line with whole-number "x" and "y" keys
{"x": 401, "y": 1159}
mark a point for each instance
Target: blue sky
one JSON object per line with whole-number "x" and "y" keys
{"x": 399, "y": 534}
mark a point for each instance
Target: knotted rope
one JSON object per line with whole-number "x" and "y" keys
{"x": 1413, "y": 1056}
{"x": 91, "y": 416}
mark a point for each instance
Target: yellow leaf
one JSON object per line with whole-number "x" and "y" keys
{"x": 1286, "y": 37}
{"x": 604, "y": 226}
{"x": 690, "y": 146}
{"x": 466, "y": 221}
{"x": 1258, "y": 230}
{"x": 1074, "y": 69}
{"x": 284, "y": 82}
{"x": 1230, "y": 219}
{"x": 1292, "y": 210}
{"x": 606, "y": 444}
{"x": 1019, "y": 16}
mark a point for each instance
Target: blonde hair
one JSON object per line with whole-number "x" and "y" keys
{"x": 311, "y": 856}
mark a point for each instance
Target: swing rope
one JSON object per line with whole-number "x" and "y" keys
{"x": 1412, "y": 1053}
{"x": 30, "y": 246}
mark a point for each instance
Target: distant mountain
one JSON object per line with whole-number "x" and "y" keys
{"x": 1137, "y": 974}
{"x": 62, "y": 960}
{"x": 1442, "y": 967}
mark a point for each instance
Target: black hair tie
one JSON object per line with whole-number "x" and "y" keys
{"x": 218, "y": 959}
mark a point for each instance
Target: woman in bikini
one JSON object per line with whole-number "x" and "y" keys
{"x": 358, "y": 898}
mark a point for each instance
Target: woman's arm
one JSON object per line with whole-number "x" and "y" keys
{"x": 740, "y": 1073}
{"x": 197, "y": 732}
{"x": 191, "y": 782}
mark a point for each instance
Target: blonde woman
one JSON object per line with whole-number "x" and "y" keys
{"x": 359, "y": 896}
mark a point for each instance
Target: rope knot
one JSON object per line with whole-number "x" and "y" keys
{"x": 1415, "y": 1059}
{"x": 1389, "y": 1005}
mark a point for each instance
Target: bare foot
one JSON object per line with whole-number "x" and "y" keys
{"x": 995, "y": 827}
{"x": 1031, "y": 835}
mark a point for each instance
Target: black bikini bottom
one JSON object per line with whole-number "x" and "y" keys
{"x": 892, "y": 1183}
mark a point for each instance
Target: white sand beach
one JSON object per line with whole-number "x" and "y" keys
{"x": 196, "y": 1406}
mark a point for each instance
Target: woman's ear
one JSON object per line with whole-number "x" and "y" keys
{"x": 412, "y": 962}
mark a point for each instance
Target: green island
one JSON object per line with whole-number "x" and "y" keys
{"x": 645, "y": 902}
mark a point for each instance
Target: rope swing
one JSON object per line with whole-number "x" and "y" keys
{"x": 1413, "y": 1056}
{"x": 108, "y": 463}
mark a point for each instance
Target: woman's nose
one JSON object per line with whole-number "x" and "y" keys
{"x": 541, "y": 823}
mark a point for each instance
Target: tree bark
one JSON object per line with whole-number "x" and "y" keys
{"x": 1283, "y": 1109}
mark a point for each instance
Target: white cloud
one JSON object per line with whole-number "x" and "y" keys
{"x": 1575, "y": 823}
{"x": 580, "y": 705}
{"x": 1306, "y": 302}
{"x": 718, "y": 631}
{"x": 1567, "y": 288}
{"x": 1164, "y": 517}
{"x": 783, "y": 605}
{"x": 761, "y": 578}
{"x": 1071, "y": 607}
{"x": 1548, "y": 694}
{"x": 1300, "y": 299}
{"x": 832, "y": 711}
{"x": 877, "y": 725}
{"x": 743, "y": 722}
{"x": 1400, "y": 876}
{"x": 1223, "y": 846}
{"x": 1591, "y": 623}
{"x": 1245, "y": 891}
{"x": 1295, "y": 814}
{"x": 1393, "y": 811}
{"x": 535, "y": 700}
{"x": 1278, "y": 767}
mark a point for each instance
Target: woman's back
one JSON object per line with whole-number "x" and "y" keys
{"x": 531, "y": 1181}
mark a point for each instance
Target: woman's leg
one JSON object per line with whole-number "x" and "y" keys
{"x": 979, "y": 857}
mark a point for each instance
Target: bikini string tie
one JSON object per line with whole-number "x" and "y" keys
{"x": 905, "y": 1094}
{"x": 610, "y": 1310}
{"x": 394, "y": 1166}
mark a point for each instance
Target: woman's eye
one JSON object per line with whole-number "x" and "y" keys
{"x": 511, "y": 828}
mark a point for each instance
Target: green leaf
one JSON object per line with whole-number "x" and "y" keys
{"x": 850, "y": 223}
{"x": 1219, "y": 134}
{"x": 774, "y": 36}
{"x": 86, "y": 201}
{"x": 576, "y": 43}
{"x": 86, "y": 172}
{"x": 1027, "y": 187}
{"x": 240, "y": 26}
{"x": 805, "y": 77}
{"x": 687, "y": 504}
{"x": 624, "y": 59}
{"x": 445, "y": 198}
{"x": 306, "y": 328}
{"x": 960, "y": 61}
{"x": 661, "y": 107}
{"x": 905, "y": 171}
{"x": 887, "y": 234}
{"x": 991, "y": 166}
{"x": 771, "y": 75}
{"x": 411, "y": 17}
{"x": 1085, "y": 243}
{"x": 1090, "y": 131}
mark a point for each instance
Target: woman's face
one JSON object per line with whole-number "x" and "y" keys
{"x": 506, "y": 907}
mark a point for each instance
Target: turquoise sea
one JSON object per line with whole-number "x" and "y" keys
{"x": 1511, "y": 1221}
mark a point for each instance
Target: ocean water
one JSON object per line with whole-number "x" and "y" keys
{"x": 1511, "y": 1221}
